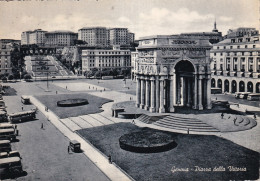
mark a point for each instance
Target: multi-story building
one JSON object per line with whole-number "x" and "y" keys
{"x": 131, "y": 37}
{"x": 102, "y": 58}
{"x": 214, "y": 37}
{"x": 60, "y": 38}
{"x": 134, "y": 58}
{"x": 94, "y": 36}
{"x": 236, "y": 61}
{"x": 33, "y": 37}
{"x": 118, "y": 36}
{"x": 5, "y": 64}
{"x": 5, "y": 42}
{"x": 25, "y": 38}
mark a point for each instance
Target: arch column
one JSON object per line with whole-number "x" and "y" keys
{"x": 138, "y": 91}
{"x": 195, "y": 92}
{"x": 161, "y": 108}
{"x": 209, "y": 105}
{"x": 157, "y": 98}
{"x": 174, "y": 88}
{"x": 147, "y": 94}
{"x": 189, "y": 92}
{"x": 171, "y": 107}
{"x": 200, "y": 93}
{"x": 152, "y": 108}
{"x": 142, "y": 93}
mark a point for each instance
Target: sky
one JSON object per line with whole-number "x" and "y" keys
{"x": 142, "y": 17}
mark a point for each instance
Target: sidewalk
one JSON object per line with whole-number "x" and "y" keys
{"x": 111, "y": 170}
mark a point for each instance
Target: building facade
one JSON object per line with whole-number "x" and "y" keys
{"x": 33, "y": 37}
{"x": 236, "y": 62}
{"x": 173, "y": 71}
{"x": 4, "y": 43}
{"x": 5, "y": 61}
{"x": 214, "y": 37}
{"x": 94, "y": 36}
{"x": 60, "y": 38}
{"x": 25, "y": 38}
{"x": 102, "y": 58}
{"x": 118, "y": 36}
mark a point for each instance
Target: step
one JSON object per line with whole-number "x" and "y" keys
{"x": 180, "y": 118}
{"x": 182, "y": 121}
{"x": 81, "y": 122}
{"x": 184, "y": 126}
{"x": 190, "y": 129}
{"x": 92, "y": 121}
{"x": 70, "y": 124}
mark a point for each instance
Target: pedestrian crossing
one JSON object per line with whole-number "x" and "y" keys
{"x": 86, "y": 121}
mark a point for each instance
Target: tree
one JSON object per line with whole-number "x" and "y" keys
{"x": 10, "y": 77}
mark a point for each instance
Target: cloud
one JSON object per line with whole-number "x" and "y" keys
{"x": 124, "y": 19}
{"x": 164, "y": 21}
{"x": 225, "y": 19}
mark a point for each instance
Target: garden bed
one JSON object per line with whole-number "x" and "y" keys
{"x": 192, "y": 151}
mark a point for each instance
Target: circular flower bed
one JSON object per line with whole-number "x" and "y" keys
{"x": 147, "y": 141}
{"x": 72, "y": 102}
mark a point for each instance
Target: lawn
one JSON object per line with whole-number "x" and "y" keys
{"x": 191, "y": 151}
{"x": 94, "y": 105}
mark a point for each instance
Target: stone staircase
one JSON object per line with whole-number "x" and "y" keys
{"x": 180, "y": 123}
{"x": 149, "y": 119}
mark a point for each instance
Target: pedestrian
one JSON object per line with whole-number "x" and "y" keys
{"x": 66, "y": 87}
{"x": 237, "y": 105}
{"x": 222, "y": 115}
{"x": 42, "y": 126}
{"x": 188, "y": 131}
{"x": 22, "y": 108}
{"x": 254, "y": 115}
{"x": 104, "y": 89}
{"x": 96, "y": 89}
{"x": 235, "y": 121}
{"x": 216, "y": 98}
{"x": 47, "y": 109}
{"x": 229, "y": 117}
{"x": 130, "y": 98}
{"x": 17, "y": 132}
{"x": 15, "y": 126}
{"x": 68, "y": 149}
{"x": 56, "y": 92}
{"x": 110, "y": 159}
{"x": 133, "y": 122}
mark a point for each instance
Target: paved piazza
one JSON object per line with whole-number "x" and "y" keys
{"x": 44, "y": 151}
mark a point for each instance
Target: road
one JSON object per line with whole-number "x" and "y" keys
{"x": 44, "y": 151}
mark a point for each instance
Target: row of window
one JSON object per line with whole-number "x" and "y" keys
{"x": 238, "y": 47}
{"x": 237, "y": 53}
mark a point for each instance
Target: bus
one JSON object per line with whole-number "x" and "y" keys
{"x": 22, "y": 116}
{"x": 7, "y": 134}
{"x": 25, "y": 100}
{"x": 216, "y": 91}
{"x": 10, "y": 154}
{"x": 6, "y": 126}
{"x": 10, "y": 166}
{"x": 5, "y": 146}
{"x": 244, "y": 95}
{"x": 254, "y": 97}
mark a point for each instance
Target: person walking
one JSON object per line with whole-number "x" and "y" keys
{"x": 222, "y": 115}
{"x": 110, "y": 159}
{"x": 22, "y": 108}
{"x": 68, "y": 149}
{"x": 42, "y": 126}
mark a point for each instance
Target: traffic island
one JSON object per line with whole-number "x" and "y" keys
{"x": 72, "y": 102}
{"x": 147, "y": 141}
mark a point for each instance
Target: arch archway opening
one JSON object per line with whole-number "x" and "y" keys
{"x": 234, "y": 86}
{"x": 226, "y": 86}
{"x": 184, "y": 71}
{"x": 241, "y": 86}
{"x": 249, "y": 87}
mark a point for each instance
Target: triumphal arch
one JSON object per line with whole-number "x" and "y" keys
{"x": 173, "y": 71}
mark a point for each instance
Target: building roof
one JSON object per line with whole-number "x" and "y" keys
{"x": 94, "y": 27}
{"x": 60, "y": 31}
